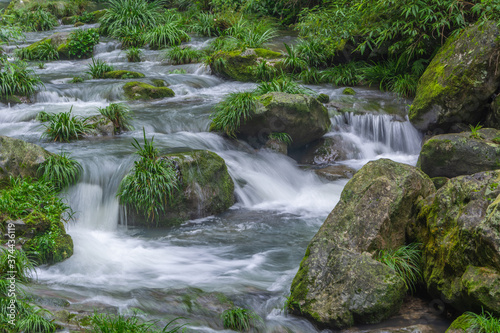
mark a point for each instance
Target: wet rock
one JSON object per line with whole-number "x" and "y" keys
{"x": 122, "y": 74}
{"x": 205, "y": 189}
{"x": 323, "y": 98}
{"x": 459, "y": 226}
{"x": 101, "y": 126}
{"x": 277, "y": 146}
{"x": 159, "y": 83}
{"x": 349, "y": 91}
{"x": 302, "y": 117}
{"x": 328, "y": 150}
{"x": 439, "y": 181}
{"x": 336, "y": 172}
{"x": 459, "y": 83}
{"x": 338, "y": 283}
{"x": 139, "y": 90}
{"x": 452, "y": 155}
{"x": 20, "y": 158}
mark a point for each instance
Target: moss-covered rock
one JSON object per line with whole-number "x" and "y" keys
{"x": 205, "y": 189}
{"x": 323, "y": 98}
{"x": 239, "y": 65}
{"x": 122, "y": 74}
{"x": 159, "y": 83}
{"x": 460, "y": 227}
{"x": 349, "y": 91}
{"x": 452, "y": 155}
{"x": 101, "y": 126}
{"x": 20, "y": 158}
{"x": 302, "y": 117}
{"x": 461, "y": 325}
{"x": 139, "y": 90}
{"x": 338, "y": 284}
{"x": 459, "y": 82}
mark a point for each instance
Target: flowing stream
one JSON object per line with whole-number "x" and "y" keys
{"x": 250, "y": 253}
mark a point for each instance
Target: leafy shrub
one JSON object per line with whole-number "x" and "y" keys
{"x": 81, "y": 43}
{"x": 206, "y": 24}
{"x": 97, "y": 68}
{"x": 43, "y": 51}
{"x": 405, "y": 261}
{"x": 134, "y": 54}
{"x": 17, "y": 79}
{"x": 85, "y": 17}
{"x": 129, "y": 14}
{"x": 239, "y": 319}
{"x": 34, "y": 20}
{"x": 131, "y": 37}
{"x": 186, "y": 55}
{"x": 151, "y": 185}
{"x": 237, "y": 107}
{"x": 119, "y": 114}
{"x": 311, "y": 76}
{"x": 315, "y": 52}
{"x": 66, "y": 127}
{"x": 282, "y": 84}
{"x": 60, "y": 170}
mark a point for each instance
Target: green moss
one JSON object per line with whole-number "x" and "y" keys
{"x": 323, "y": 98}
{"x": 122, "y": 74}
{"x": 300, "y": 283}
{"x": 63, "y": 51}
{"x": 234, "y": 65}
{"x": 159, "y": 83}
{"x": 139, "y": 90}
{"x": 439, "y": 181}
{"x": 461, "y": 323}
{"x": 349, "y": 91}
{"x": 268, "y": 54}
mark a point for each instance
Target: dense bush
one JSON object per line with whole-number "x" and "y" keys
{"x": 60, "y": 170}
{"x": 81, "y": 43}
{"x": 179, "y": 56}
{"x": 17, "y": 79}
{"x": 41, "y": 51}
{"x": 33, "y": 20}
{"x": 237, "y": 107}
{"x": 66, "y": 127}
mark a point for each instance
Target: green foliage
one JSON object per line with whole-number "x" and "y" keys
{"x": 34, "y": 20}
{"x": 282, "y": 84}
{"x": 482, "y": 323}
{"x": 10, "y": 33}
{"x": 177, "y": 71}
{"x": 405, "y": 261}
{"x": 349, "y": 74}
{"x": 166, "y": 35}
{"x": 77, "y": 79}
{"x": 235, "y": 109}
{"x": 474, "y": 131}
{"x": 131, "y": 37}
{"x": 44, "y": 116}
{"x": 98, "y": 67}
{"x": 81, "y": 43}
{"x": 85, "y": 17}
{"x": 178, "y": 56}
{"x": 60, "y": 170}
{"x": 151, "y": 185}
{"x": 41, "y": 65}
{"x": 35, "y": 322}
{"x": 23, "y": 265}
{"x": 106, "y": 323}
{"x": 206, "y": 24}
{"x": 43, "y": 51}
{"x": 311, "y": 76}
{"x": 119, "y": 114}
{"x": 239, "y": 319}
{"x": 293, "y": 61}
{"x": 44, "y": 246}
{"x": 225, "y": 43}
{"x": 17, "y": 79}
{"x": 265, "y": 72}
{"x": 315, "y": 52}
{"x": 291, "y": 304}
{"x": 281, "y": 137}
{"x": 129, "y": 14}
{"x": 134, "y": 54}
{"x": 66, "y": 127}
{"x": 251, "y": 34}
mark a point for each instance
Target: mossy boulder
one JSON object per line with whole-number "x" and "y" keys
{"x": 338, "y": 283}
{"x": 122, "y": 74}
{"x": 20, "y": 158}
{"x": 205, "y": 189}
{"x": 460, "y": 81}
{"x": 349, "y": 91}
{"x": 140, "y": 90}
{"x": 239, "y": 65}
{"x": 302, "y": 117}
{"x": 452, "y": 155}
{"x": 460, "y": 227}
{"x": 335, "y": 172}
{"x": 462, "y": 325}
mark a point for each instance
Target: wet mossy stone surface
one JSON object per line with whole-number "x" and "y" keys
{"x": 338, "y": 283}
{"x": 20, "y": 158}
{"x": 460, "y": 227}
{"x": 58, "y": 40}
{"x": 452, "y": 155}
{"x": 205, "y": 189}
{"x": 237, "y": 65}
{"x": 300, "y": 116}
{"x": 460, "y": 81}
{"x": 122, "y": 74}
{"x": 349, "y": 91}
{"x": 140, "y": 90}
{"x": 461, "y": 325}
{"x": 327, "y": 150}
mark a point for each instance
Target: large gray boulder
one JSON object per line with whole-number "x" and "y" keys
{"x": 458, "y": 84}
{"x": 338, "y": 283}
{"x": 460, "y": 227}
{"x": 20, "y": 158}
{"x": 452, "y": 155}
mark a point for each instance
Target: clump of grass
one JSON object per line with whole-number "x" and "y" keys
{"x": 281, "y": 137}
{"x": 282, "y": 84}
{"x": 17, "y": 79}
{"x": 151, "y": 185}
{"x": 235, "y": 109}
{"x": 239, "y": 319}
{"x": 35, "y": 20}
{"x": 206, "y": 24}
{"x": 106, "y": 323}
{"x": 482, "y": 323}
{"x": 41, "y": 65}
{"x": 97, "y": 68}
{"x": 77, "y": 79}
{"x": 165, "y": 35}
{"x": 131, "y": 37}
{"x": 23, "y": 265}
{"x": 291, "y": 304}
{"x": 60, "y": 170}
{"x": 44, "y": 116}
{"x": 292, "y": 60}
{"x": 311, "y": 76}
{"x": 134, "y": 54}
{"x": 66, "y": 127}
{"x": 177, "y": 71}
{"x": 265, "y": 72}
{"x": 35, "y": 322}
{"x": 405, "y": 261}
{"x": 475, "y": 131}
{"x": 119, "y": 114}
{"x": 43, "y": 51}
{"x": 178, "y": 56}
{"x": 350, "y": 74}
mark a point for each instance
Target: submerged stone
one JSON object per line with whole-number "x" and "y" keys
{"x": 139, "y": 90}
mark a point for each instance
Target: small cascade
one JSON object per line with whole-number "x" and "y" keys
{"x": 399, "y": 136}
{"x": 78, "y": 93}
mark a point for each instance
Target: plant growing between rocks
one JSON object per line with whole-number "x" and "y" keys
{"x": 17, "y": 79}
{"x": 178, "y": 56}
{"x": 281, "y": 137}
{"x": 234, "y": 109}
{"x": 97, "y": 68}
{"x": 475, "y": 131}
{"x": 119, "y": 114}
{"x": 60, "y": 170}
{"x": 81, "y": 43}
{"x": 134, "y": 54}
{"x": 239, "y": 319}
{"x": 64, "y": 127}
